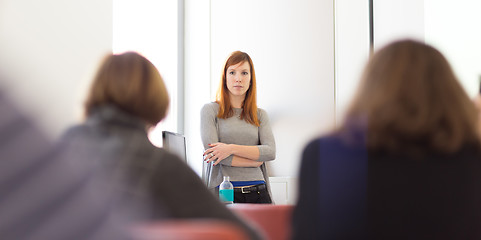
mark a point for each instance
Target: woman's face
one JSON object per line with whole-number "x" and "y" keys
{"x": 238, "y": 78}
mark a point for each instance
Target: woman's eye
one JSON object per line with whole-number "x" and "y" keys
{"x": 231, "y": 73}
{"x": 245, "y": 73}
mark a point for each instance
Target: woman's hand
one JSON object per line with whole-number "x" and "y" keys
{"x": 217, "y": 152}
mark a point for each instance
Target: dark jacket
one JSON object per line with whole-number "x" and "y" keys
{"x": 347, "y": 192}
{"x": 157, "y": 179}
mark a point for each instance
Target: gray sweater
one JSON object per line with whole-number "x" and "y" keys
{"x": 233, "y": 130}
{"x": 165, "y": 185}
{"x": 47, "y": 196}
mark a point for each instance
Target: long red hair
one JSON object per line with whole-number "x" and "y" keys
{"x": 249, "y": 106}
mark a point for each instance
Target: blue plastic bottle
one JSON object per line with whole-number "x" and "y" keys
{"x": 226, "y": 191}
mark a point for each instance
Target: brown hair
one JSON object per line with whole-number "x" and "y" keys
{"x": 132, "y": 83}
{"x": 249, "y": 112}
{"x": 411, "y": 101}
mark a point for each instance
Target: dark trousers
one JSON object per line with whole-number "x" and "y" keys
{"x": 257, "y": 196}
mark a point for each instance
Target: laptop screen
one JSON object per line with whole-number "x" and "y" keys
{"x": 174, "y": 143}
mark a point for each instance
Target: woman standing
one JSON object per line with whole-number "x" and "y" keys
{"x": 237, "y": 135}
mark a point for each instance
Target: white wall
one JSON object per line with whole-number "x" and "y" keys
{"x": 351, "y": 51}
{"x": 454, "y": 28}
{"x": 292, "y": 46}
{"x": 394, "y": 19}
{"x": 133, "y": 24}
{"x": 450, "y": 26}
{"x": 197, "y": 75}
{"x": 50, "y": 49}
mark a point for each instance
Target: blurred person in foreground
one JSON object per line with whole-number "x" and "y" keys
{"x": 404, "y": 164}
{"x": 44, "y": 196}
{"x": 126, "y": 98}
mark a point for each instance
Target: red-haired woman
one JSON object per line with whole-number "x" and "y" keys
{"x": 237, "y": 135}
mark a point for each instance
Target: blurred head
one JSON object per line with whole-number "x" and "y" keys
{"x": 238, "y": 79}
{"x": 133, "y": 84}
{"x": 411, "y": 100}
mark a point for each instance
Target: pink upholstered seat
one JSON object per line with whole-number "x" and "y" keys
{"x": 201, "y": 229}
{"x": 274, "y": 221}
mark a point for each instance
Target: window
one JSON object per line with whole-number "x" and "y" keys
{"x": 150, "y": 27}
